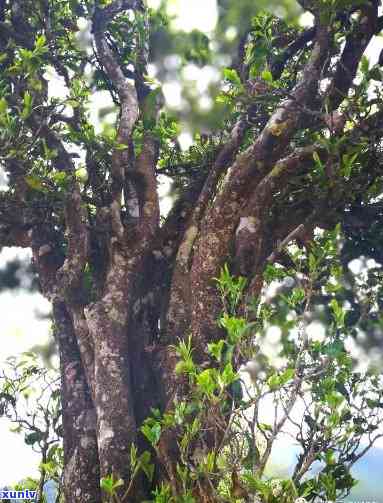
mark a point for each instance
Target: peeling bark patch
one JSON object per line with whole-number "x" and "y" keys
{"x": 105, "y": 434}
{"x": 71, "y": 466}
{"x": 248, "y": 224}
{"x": 71, "y": 373}
{"x": 44, "y": 250}
{"x": 187, "y": 245}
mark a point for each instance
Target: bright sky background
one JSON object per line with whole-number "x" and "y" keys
{"x": 20, "y": 328}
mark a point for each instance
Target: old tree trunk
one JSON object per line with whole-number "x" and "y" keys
{"x": 124, "y": 284}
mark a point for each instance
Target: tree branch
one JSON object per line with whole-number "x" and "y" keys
{"x": 128, "y": 112}
{"x": 356, "y": 43}
{"x": 277, "y": 66}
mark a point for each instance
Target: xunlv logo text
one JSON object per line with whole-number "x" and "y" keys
{"x": 21, "y": 495}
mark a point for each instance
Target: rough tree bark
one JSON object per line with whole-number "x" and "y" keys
{"x": 154, "y": 283}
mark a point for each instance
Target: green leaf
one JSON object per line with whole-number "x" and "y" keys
{"x": 374, "y": 403}
{"x": 60, "y": 177}
{"x": 286, "y": 376}
{"x": 3, "y": 106}
{"x": 73, "y": 103}
{"x": 146, "y": 465}
{"x": 235, "y": 327}
{"x": 133, "y": 456}
{"x": 184, "y": 348}
{"x": 32, "y": 438}
{"x": 348, "y": 162}
{"x": 334, "y": 399}
{"x": 35, "y": 84}
{"x": 273, "y": 272}
{"x": 274, "y": 382}
{"x": 334, "y": 349}
{"x": 34, "y": 183}
{"x": 338, "y": 312}
{"x": 152, "y": 432}
{"x": 265, "y": 427}
{"x": 27, "y": 105}
{"x": 25, "y": 54}
{"x": 109, "y": 485}
{"x": 376, "y": 74}
{"x": 318, "y": 163}
{"x": 215, "y": 349}
{"x": 81, "y": 175}
{"x": 228, "y": 375}
{"x": 48, "y": 467}
{"x": 312, "y": 262}
{"x": 15, "y": 429}
{"x": 232, "y": 76}
{"x": 185, "y": 367}
{"x": 48, "y": 153}
{"x": 267, "y": 76}
{"x": 121, "y": 146}
{"x": 40, "y": 41}
{"x": 329, "y": 457}
{"x": 364, "y": 65}
{"x": 206, "y": 381}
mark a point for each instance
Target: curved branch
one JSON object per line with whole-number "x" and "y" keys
{"x": 249, "y": 168}
{"x": 177, "y": 318}
{"x": 252, "y": 229}
{"x": 278, "y": 65}
{"x": 128, "y": 111}
{"x": 356, "y": 43}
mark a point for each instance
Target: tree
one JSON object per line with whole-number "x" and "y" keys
{"x": 135, "y": 297}
{"x": 41, "y": 424}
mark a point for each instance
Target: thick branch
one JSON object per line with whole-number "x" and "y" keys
{"x": 278, "y": 65}
{"x": 128, "y": 112}
{"x": 252, "y": 229}
{"x": 356, "y": 43}
{"x": 79, "y": 416}
{"x": 146, "y": 183}
{"x": 215, "y": 243}
{"x": 177, "y": 317}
